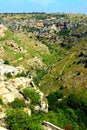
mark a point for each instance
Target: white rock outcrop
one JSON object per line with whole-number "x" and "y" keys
{"x": 2, "y": 29}
{"x": 2, "y": 128}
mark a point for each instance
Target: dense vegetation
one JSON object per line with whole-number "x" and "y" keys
{"x": 71, "y": 110}
{"x": 18, "y": 103}
{"x": 66, "y": 112}
{"x": 31, "y": 94}
{"x": 1, "y": 102}
{"x": 19, "y": 120}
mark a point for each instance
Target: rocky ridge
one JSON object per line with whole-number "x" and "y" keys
{"x": 11, "y": 88}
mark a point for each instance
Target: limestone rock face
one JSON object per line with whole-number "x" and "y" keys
{"x": 4, "y": 69}
{"x": 9, "y": 88}
{"x": 12, "y": 87}
{"x": 2, "y": 115}
{"x": 8, "y": 97}
{"x": 37, "y": 108}
{"x": 43, "y": 104}
{"x": 2, "y": 128}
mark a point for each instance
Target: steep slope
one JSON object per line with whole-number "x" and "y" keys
{"x": 19, "y": 49}
{"x": 69, "y": 72}
{"x": 51, "y": 53}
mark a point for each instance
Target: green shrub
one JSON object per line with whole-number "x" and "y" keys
{"x": 1, "y": 102}
{"x": 71, "y": 111}
{"x": 73, "y": 102}
{"x": 31, "y": 94}
{"x": 52, "y": 101}
{"x": 6, "y": 62}
{"x": 70, "y": 114}
{"x": 64, "y": 33}
{"x": 22, "y": 74}
{"x": 17, "y": 103}
{"x": 8, "y": 75}
{"x": 59, "y": 94}
{"x": 17, "y": 120}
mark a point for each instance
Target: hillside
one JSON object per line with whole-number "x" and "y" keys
{"x": 19, "y": 49}
{"x": 43, "y": 70}
{"x": 69, "y": 71}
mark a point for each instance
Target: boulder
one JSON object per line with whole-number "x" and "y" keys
{"x": 8, "y": 97}
{"x": 2, "y": 128}
{"x": 27, "y": 110}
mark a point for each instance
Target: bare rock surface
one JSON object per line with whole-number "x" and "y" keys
{"x": 2, "y": 128}
{"x": 2, "y": 29}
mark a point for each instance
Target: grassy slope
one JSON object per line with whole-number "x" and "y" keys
{"x": 31, "y": 49}
{"x": 62, "y": 64}
{"x": 64, "y": 73}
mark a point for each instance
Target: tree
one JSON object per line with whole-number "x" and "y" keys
{"x": 6, "y": 62}
{"x": 73, "y": 102}
{"x": 52, "y": 101}
{"x": 59, "y": 94}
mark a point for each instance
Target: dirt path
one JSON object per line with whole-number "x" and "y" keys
{"x": 21, "y": 58}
